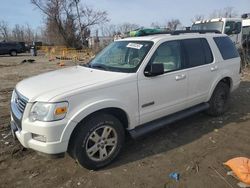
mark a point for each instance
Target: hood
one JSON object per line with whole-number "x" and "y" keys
{"x": 48, "y": 85}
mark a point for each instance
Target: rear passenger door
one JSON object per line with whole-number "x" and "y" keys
{"x": 201, "y": 69}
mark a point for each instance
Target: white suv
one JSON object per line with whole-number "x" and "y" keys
{"x": 134, "y": 85}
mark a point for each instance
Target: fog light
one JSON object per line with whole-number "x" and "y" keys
{"x": 39, "y": 137}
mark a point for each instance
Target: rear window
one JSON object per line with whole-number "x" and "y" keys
{"x": 226, "y": 47}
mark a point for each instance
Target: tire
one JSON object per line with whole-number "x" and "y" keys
{"x": 91, "y": 148}
{"x": 13, "y": 53}
{"x": 218, "y": 104}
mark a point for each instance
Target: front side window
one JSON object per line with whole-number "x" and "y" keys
{"x": 232, "y": 27}
{"x": 122, "y": 56}
{"x": 168, "y": 54}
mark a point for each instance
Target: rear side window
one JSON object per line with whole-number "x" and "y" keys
{"x": 226, "y": 47}
{"x": 208, "y": 53}
{"x": 197, "y": 52}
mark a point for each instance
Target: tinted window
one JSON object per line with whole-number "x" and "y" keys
{"x": 168, "y": 54}
{"x": 195, "y": 55}
{"x": 208, "y": 53}
{"x": 232, "y": 27}
{"x": 226, "y": 47}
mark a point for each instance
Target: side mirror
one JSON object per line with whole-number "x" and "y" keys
{"x": 154, "y": 70}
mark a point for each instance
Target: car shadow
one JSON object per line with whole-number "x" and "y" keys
{"x": 185, "y": 131}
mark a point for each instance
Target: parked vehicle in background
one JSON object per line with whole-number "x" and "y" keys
{"x": 229, "y": 26}
{"x": 11, "y": 48}
{"x": 135, "y": 85}
{"x": 25, "y": 47}
{"x": 238, "y": 29}
{"x": 246, "y": 31}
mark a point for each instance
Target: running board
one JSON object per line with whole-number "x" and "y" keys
{"x": 159, "y": 123}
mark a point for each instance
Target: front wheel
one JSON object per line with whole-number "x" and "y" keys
{"x": 98, "y": 141}
{"x": 218, "y": 103}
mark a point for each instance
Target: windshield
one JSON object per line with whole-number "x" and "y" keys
{"x": 122, "y": 56}
{"x": 208, "y": 26}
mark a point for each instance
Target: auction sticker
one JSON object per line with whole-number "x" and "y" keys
{"x": 134, "y": 45}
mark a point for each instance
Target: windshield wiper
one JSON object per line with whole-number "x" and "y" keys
{"x": 99, "y": 66}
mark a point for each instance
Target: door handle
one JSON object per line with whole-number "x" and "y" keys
{"x": 180, "y": 77}
{"x": 214, "y": 68}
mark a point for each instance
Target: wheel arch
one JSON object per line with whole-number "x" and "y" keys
{"x": 115, "y": 111}
{"x": 108, "y": 106}
{"x": 225, "y": 79}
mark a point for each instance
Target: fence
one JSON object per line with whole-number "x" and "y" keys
{"x": 64, "y": 53}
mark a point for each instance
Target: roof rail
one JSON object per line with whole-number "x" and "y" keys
{"x": 177, "y": 32}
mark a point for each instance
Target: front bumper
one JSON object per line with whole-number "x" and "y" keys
{"x": 45, "y": 137}
{"x": 52, "y": 145}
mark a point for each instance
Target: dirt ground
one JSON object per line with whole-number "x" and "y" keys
{"x": 195, "y": 147}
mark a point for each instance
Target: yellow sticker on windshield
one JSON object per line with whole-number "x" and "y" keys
{"x": 134, "y": 45}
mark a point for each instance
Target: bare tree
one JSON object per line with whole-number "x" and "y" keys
{"x": 4, "y": 30}
{"x": 69, "y": 19}
{"x": 227, "y": 12}
{"x": 172, "y": 24}
{"x": 156, "y": 25}
{"x": 28, "y": 34}
{"x": 126, "y": 27}
{"x": 198, "y": 17}
{"x": 109, "y": 30}
{"x": 18, "y": 33}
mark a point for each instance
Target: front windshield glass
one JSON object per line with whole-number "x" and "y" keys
{"x": 208, "y": 26}
{"x": 122, "y": 56}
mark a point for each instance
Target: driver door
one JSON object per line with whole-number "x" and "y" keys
{"x": 167, "y": 93}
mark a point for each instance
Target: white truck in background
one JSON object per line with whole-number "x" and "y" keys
{"x": 238, "y": 29}
{"x": 230, "y": 26}
{"x": 246, "y": 32}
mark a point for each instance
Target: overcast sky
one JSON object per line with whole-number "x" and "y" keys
{"x": 142, "y": 12}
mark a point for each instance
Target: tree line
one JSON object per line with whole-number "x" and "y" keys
{"x": 17, "y": 33}
{"x": 69, "y": 23}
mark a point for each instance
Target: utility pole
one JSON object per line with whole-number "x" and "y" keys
{"x": 79, "y": 21}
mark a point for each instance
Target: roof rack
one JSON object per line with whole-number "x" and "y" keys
{"x": 177, "y": 32}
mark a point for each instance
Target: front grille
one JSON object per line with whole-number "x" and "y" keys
{"x": 20, "y": 102}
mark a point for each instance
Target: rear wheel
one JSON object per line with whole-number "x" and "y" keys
{"x": 218, "y": 103}
{"x": 98, "y": 141}
{"x": 13, "y": 53}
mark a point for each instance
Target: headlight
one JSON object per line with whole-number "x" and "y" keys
{"x": 48, "y": 111}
